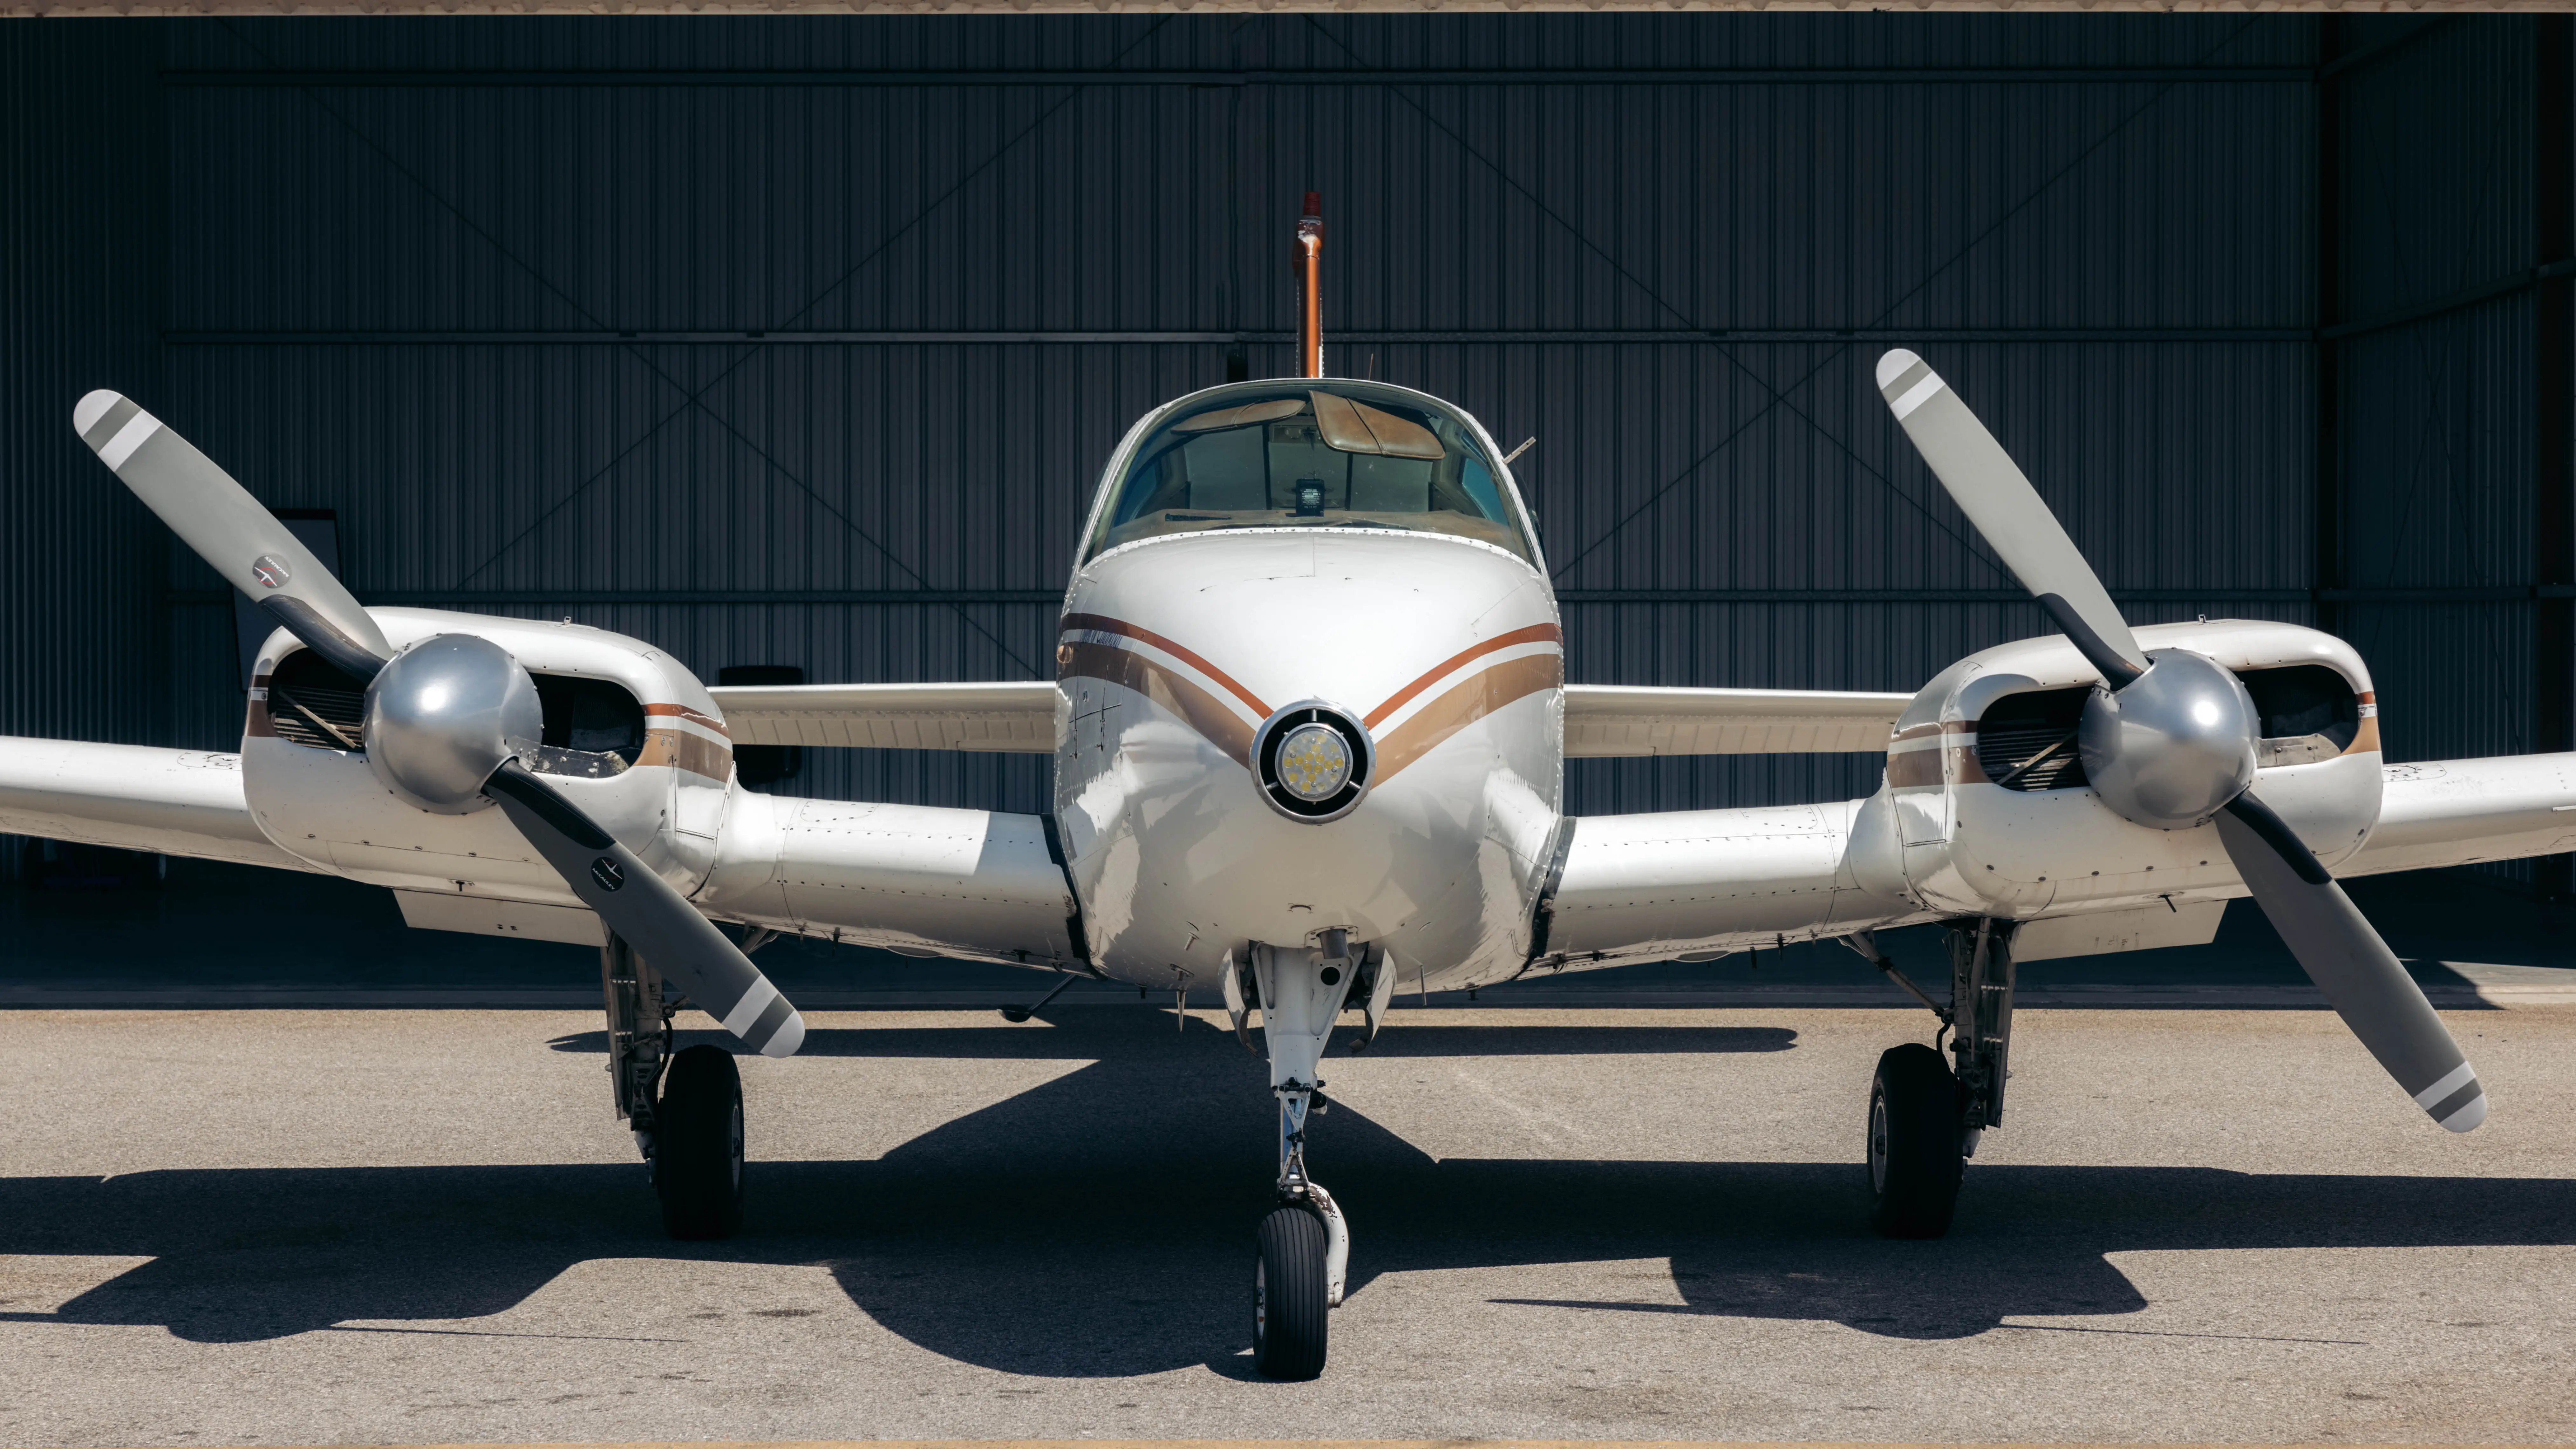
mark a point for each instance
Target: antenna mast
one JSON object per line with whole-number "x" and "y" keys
{"x": 1308, "y": 264}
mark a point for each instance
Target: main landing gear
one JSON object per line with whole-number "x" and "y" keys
{"x": 690, "y": 1131}
{"x": 1925, "y": 1118}
{"x": 1305, "y": 1243}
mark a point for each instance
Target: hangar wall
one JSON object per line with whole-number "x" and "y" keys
{"x": 802, "y": 341}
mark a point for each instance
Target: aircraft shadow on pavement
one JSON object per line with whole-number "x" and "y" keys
{"x": 1127, "y": 1033}
{"x": 1101, "y": 1225}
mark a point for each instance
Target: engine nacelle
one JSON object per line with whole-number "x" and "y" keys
{"x": 1988, "y": 807}
{"x": 624, "y": 731}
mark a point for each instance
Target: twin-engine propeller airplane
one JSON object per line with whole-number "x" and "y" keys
{"x": 1309, "y": 724}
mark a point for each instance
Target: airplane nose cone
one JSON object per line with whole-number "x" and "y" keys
{"x": 1314, "y": 761}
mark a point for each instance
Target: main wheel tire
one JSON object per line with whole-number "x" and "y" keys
{"x": 1288, "y": 1292}
{"x": 1914, "y": 1157}
{"x": 697, "y": 1145}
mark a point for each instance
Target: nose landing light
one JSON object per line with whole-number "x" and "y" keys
{"x": 1313, "y": 761}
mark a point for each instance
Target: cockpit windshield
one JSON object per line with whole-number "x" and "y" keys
{"x": 1311, "y": 453}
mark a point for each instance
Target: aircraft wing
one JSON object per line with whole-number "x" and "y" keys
{"x": 1654, "y": 886}
{"x": 171, "y": 802}
{"x": 1616, "y": 719}
{"x": 1012, "y": 716}
{"x": 2464, "y": 812}
{"x": 920, "y": 880}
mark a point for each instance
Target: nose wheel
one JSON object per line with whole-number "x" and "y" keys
{"x": 1305, "y": 1242}
{"x": 1290, "y": 1298}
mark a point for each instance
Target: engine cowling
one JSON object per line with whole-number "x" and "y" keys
{"x": 1992, "y": 805}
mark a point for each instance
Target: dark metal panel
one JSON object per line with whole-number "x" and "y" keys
{"x": 2438, "y": 409}
{"x": 2553, "y": 542}
{"x": 81, "y": 563}
{"x": 2142, "y": 209}
{"x": 2439, "y": 164}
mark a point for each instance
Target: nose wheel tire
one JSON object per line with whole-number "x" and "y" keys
{"x": 697, "y": 1147}
{"x": 1289, "y": 1307}
{"x": 1915, "y": 1160}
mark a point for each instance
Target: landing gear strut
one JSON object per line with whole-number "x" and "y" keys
{"x": 1305, "y": 1242}
{"x": 690, "y": 1129}
{"x": 1924, "y": 1118}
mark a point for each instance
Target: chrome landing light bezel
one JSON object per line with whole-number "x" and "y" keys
{"x": 1293, "y": 720}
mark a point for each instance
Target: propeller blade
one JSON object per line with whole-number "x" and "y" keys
{"x": 642, "y": 907}
{"x": 2351, "y": 964}
{"x": 218, "y": 518}
{"x": 1996, "y": 497}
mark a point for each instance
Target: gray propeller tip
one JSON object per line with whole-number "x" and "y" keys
{"x": 114, "y": 426}
{"x": 791, "y": 1035}
{"x": 87, "y": 412}
{"x": 2458, "y": 1101}
{"x": 1893, "y": 365}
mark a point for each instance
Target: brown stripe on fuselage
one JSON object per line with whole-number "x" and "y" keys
{"x": 1952, "y": 763}
{"x": 1473, "y": 698}
{"x": 1103, "y": 624}
{"x": 1941, "y": 754}
{"x": 257, "y": 725}
{"x": 682, "y": 711}
{"x": 1206, "y": 713}
{"x": 694, "y": 753}
{"x": 1534, "y": 634}
{"x": 2366, "y": 738}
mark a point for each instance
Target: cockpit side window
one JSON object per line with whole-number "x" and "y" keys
{"x": 1315, "y": 455}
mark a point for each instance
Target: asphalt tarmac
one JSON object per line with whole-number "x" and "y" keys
{"x": 286, "y": 1226}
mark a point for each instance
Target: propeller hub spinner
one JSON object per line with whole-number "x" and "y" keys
{"x": 445, "y": 714}
{"x": 2175, "y": 746}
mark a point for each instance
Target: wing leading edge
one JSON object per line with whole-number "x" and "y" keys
{"x": 1608, "y": 720}
{"x": 1601, "y": 720}
{"x": 1652, "y": 886}
{"x": 1012, "y": 716}
{"x": 132, "y": 797}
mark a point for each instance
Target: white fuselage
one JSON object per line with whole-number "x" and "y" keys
{"x": 1174, "y": 650}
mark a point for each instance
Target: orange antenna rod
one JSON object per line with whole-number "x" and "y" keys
{"x": 1309, "y": 266}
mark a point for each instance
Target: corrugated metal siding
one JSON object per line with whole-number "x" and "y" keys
{"x": 2437, "y": 415}
{"x": 1408, "y": 40}
{"x": 80, "y": 562}
{"x": 2183, "y": 464}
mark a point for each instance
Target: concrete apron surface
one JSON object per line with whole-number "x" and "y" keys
{"x": 402, "y": 1227}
